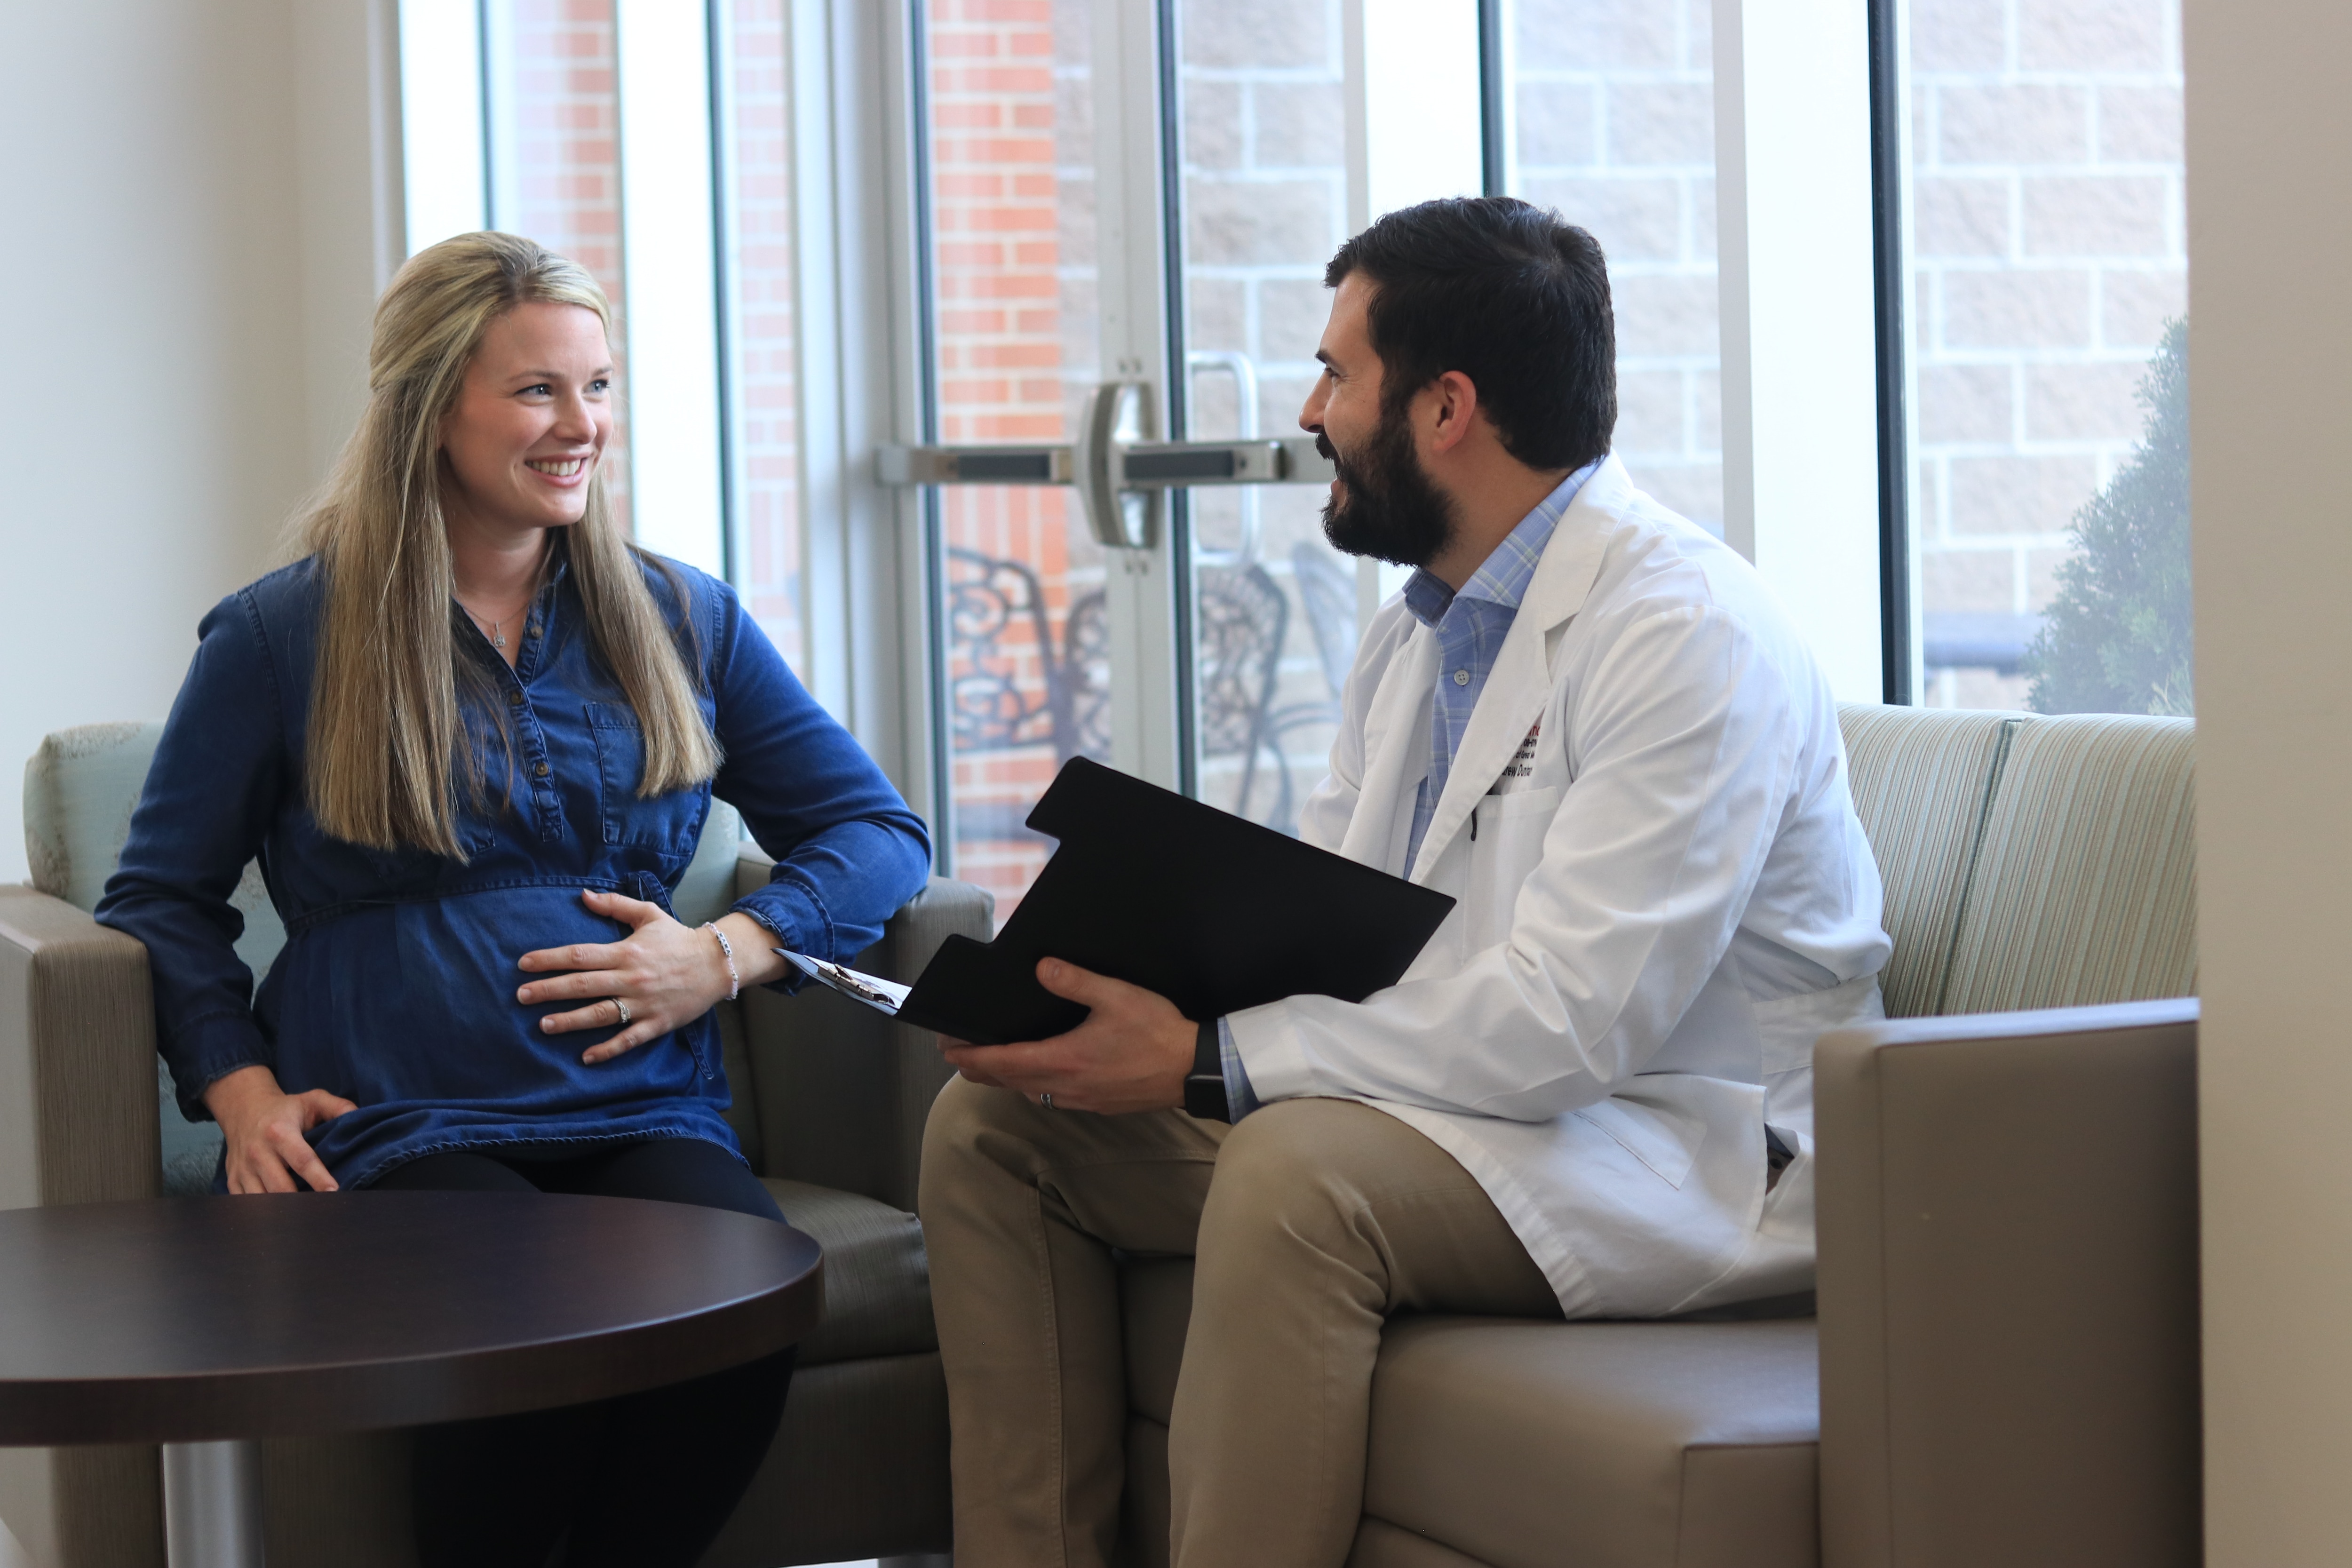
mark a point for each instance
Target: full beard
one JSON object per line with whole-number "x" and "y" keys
{"x": 1392, "y": 512}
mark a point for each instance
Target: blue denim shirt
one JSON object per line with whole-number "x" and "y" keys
{"x": 397, "y": 986}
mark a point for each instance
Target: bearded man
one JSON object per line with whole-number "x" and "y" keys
{"x": 1590, "y": 723}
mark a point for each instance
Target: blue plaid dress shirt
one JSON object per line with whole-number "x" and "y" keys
{"x": 1470, "y": 628}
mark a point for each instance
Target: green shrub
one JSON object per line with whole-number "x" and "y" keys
{"x": 2116, "y": 639}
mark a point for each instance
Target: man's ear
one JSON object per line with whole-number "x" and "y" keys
{"x": 1452, "y": 401}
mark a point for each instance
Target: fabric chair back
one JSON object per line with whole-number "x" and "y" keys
{"x": 81, "y": 788}
{"x": 1922, "y": 781}
{"x": 2028, "y": 862}
{"x": 2086, "y": 886}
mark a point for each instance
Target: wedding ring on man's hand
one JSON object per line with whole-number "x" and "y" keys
{"x": 623, "y": 1009}
{"x": 1046, "y": 1100}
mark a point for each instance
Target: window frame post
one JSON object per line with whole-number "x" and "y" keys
{"x": 1801, "y": 447}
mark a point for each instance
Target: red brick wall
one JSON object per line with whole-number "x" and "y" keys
{"x": 767, "y": 431}
{"x": 561, "y": 131}
{"x": 999, "y": 219}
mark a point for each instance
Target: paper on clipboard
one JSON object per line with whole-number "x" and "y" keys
{"x": 883, "y": 996}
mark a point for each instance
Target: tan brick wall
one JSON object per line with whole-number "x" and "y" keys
{"x": 2047, "y": 242}
{"x": 1265, "y": 203}
{"x": 2048, "y": 250}
{"x": 1612, "y": 115}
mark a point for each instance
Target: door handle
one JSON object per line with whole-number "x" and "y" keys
{"x": 1118, "y": 474}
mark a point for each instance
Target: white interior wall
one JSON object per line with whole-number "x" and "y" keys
{"x": 2270, "y": 162}
{"x": 194, "y": 226}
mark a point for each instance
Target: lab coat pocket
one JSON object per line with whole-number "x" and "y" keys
{"x": 1665, "y": 1142}
{"x": 1507, "y": 837}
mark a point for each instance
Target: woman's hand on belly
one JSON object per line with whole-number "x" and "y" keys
{"x": 667, "y": 975}
{"x": 264, "y": 1125}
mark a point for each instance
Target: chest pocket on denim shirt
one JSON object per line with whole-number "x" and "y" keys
{"x": 666, "y": 821}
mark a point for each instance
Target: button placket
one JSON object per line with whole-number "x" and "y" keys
{"x": 530, "y": 660}
{"x": 533, "y": 652}
{"x": 531, "y": 745}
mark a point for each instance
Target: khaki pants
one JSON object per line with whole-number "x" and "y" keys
{"x": 1309, "y": 1223}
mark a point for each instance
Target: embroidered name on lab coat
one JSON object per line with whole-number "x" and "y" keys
{"x": 1522, "y": 764}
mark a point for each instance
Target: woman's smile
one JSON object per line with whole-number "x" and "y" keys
{"x": 538, "y": 397}
{"x": 563, "y": 471}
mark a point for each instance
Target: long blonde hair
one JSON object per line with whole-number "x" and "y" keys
{"x": 388, "y": 750}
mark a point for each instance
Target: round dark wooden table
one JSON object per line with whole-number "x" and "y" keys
{"x": 209, "y": 1323}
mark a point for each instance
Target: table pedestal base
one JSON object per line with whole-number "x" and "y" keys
{"x": 212, "y": 1505}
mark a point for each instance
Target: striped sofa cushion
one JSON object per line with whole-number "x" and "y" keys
{"x": 1922, "y": 778}
{"x": 2085, "y": 885}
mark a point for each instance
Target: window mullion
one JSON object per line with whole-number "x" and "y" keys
{"x": 442, "y": 128}
{"x": 1141, "y": 592}
{"x": 1800, "y": 432}
{"x": 671, "y": 319}
{"x": 1890, "y": 226}
{"x": 865, "y": 572}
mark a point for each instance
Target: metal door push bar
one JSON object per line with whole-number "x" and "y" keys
{"x": 1118, "y": 474}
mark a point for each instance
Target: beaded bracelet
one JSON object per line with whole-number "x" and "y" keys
{"x": 734, "y": 981}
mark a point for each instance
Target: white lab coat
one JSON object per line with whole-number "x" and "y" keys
{"x": 1664, "y": 897}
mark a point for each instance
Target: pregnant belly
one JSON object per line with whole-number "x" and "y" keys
{"x": 415, "y": 1002}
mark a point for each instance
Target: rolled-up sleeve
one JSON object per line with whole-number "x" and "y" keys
{"x": 216, "y": 785}
{"x": 848, "y": 851}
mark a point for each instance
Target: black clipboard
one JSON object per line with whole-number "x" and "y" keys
{"x": 1212, "y": 912}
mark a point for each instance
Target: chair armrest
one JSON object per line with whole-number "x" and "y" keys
{"x": 77, "y": 1109}
{"x": 842, "y": 1091}
{"x": 2009, "y": 1289}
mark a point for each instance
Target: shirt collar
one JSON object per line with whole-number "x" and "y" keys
{"x": 1503, "y": 577}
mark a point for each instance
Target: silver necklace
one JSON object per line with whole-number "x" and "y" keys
{"x": 497, "y": 633}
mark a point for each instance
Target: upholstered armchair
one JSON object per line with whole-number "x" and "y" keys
{"x": 829, "y": 1102}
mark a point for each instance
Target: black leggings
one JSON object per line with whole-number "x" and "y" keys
{"x": 644, "y": 1480}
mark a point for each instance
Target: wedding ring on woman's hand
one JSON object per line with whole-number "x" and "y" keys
{"x": 1046, "y": 1100}
{"x": 623, "y": 1009}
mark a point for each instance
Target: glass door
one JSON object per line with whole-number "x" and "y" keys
{"x": 1128, "y": 207}
{"x": 1022, "y": 606}
{"x": 1263, "y": 161}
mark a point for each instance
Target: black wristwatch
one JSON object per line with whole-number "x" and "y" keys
{"x": 1204, "y": 1086}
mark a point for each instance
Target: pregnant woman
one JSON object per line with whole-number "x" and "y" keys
{"x": 473, "y": 735}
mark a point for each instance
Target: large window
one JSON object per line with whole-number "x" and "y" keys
{"x": 850, "y": 240}
{"x": 1172, "y": 234}
{"x": 552, "y": 111}
{"x": 1610, "y": 119}
{"x": 1264, "y": 200}
{"x": 2047, "y": 260}
{"x": 1024, "y": 637}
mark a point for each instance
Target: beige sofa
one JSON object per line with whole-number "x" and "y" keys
{"x": 2004, "y": 1369}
